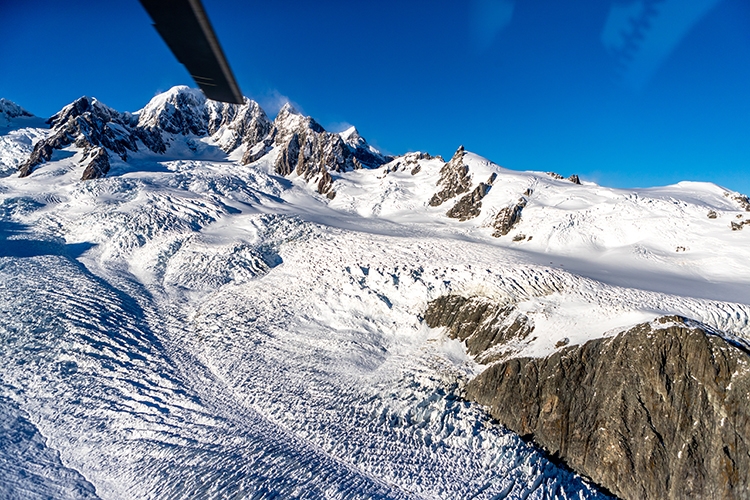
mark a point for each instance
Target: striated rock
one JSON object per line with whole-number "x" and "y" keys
{"x": 470, "y": 205}
{"x": 454, "y": 179}
{"x": 479, "y": 323}
{"x": 507, "y": 218}
{"x": 659, "y": 411}
{"x": 574, "y": 179}
{"x": 98, "y": 164}
{"x": 712, "y": 214}
{"x": 259, "y": 150}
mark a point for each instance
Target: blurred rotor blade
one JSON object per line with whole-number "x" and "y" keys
{"x": 184, "y": 26}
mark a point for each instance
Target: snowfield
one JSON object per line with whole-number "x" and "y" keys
{"x": 190, "y": 327}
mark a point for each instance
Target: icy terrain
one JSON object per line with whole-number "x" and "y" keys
{"x": 192, "y": 327}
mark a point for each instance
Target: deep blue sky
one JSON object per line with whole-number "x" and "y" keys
{"x": 529, "y": 84}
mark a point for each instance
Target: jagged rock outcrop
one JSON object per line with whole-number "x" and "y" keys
{"x": 737, "y": 226}
{"x": 573, "y": 178}
{"x": 409, "y": 162}
{"x": 86, "y": 123}
{"x": 506, "y": 219}
{"x": 659, "y": 411}
{"x": 312, "y": 153}
{"x": 480, "y": 323}
{"x": 98, "y": 164}
{"x": 742, "y": 200}
{"x": 470, "y": 205}
{"x": 454, "y": 179}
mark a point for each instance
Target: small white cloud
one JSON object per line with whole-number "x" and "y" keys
{"x": 272, "y": 101}
{"x": 338, "y": 127}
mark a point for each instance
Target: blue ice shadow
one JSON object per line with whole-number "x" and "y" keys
{"x": 12, "y": 244}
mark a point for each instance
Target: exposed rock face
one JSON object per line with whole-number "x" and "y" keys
{"x": 454, "y": 179}
{"x": 574, "y": 179}
{"x": 470, "y": 205}
{"x": 507, "y": 218}
{"x": 659, "y": 411}
{"x": 743, "y": 201}
{"x": 87, "y": 123}
{"x": 479, "y": 323}
{"x": 409, "y": 162}
{"x": 312, "y": 153}
{"x": 737, "y": 226}
{"x": 98, "y": 164}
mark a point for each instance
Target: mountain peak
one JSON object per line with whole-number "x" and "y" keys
{"x": 179, "y": 110}
{"x": 10, "y": 109}
{"x": 288, "y": 109}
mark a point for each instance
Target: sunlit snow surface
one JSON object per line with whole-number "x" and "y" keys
{"x": 201, "y": 329}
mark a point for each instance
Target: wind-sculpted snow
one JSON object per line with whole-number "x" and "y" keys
{"x": 192, "y": 327}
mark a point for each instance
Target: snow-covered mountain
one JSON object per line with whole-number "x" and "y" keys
{"x": 200, "y": 302}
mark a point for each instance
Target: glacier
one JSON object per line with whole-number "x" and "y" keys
{"x": 196, "y": 325}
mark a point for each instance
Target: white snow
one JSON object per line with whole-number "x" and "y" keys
{"x": 191, "y": 327}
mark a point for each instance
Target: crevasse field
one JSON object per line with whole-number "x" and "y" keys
{"x": 190, "y": 327}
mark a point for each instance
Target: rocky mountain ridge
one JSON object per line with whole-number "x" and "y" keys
{"x": 304, "y": 147}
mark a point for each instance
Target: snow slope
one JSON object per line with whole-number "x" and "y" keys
{"x": 192, "y": 327}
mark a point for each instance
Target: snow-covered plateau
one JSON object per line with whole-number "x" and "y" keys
{"x": 232, "y": 307}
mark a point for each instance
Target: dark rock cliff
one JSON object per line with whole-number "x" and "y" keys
{"x": 659, "y": 411}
